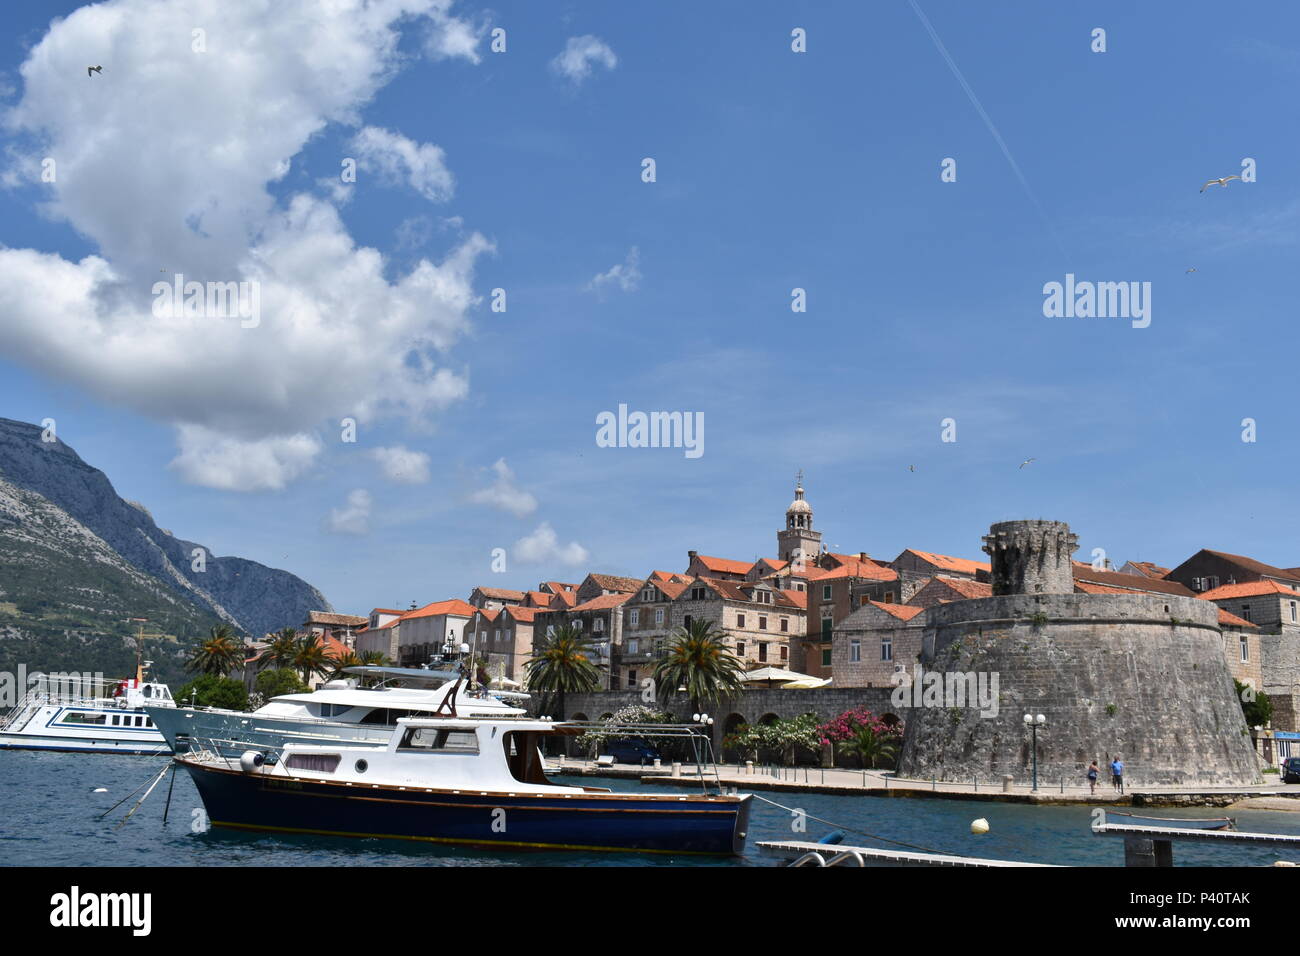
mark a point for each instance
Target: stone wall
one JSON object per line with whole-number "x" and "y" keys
{"x": 1138, "y": 676}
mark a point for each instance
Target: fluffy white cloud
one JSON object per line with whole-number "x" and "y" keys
{"x": 232, "y": 464}
{"x": 163, "y": 164}
{"x": 402, "y": 464}
{"x": 543, "y": 547}
{"x": 626, "y": 274}
{"x": 396, "y": 158}
{"x": 354, "y": 517}
{"x": 452, "y": 36}
{"x": 574, "y": 62}
{"x": 505, "y": 494}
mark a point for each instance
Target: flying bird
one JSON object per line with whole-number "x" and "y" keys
{"x": 94, "y": 69}
{"x": 1027, "y": 461}
{"x": 1191, "y": 270}
{"x": 911, "y": 467}
{"x": 1219, "y": 182}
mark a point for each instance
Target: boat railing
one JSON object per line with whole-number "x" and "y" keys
{"x": 700, "y": 740}
{"x": 96, "y": 693}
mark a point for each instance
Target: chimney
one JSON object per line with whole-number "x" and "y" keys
{"x": 862, "y": 555}
{"x": 691, "y": 556}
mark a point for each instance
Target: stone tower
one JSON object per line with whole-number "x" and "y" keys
{"x": 798, "y": 537}
{"x": 1031, "y": 557}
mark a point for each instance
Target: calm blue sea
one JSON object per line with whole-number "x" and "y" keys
{"x": 49, "y": 817}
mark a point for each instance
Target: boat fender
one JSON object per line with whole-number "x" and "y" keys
{"x": 251, "y": 760}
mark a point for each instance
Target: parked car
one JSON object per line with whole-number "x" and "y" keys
{"x": 632, "y": 751}
{"x": 1291, "y": 770}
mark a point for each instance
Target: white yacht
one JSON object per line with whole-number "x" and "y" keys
{"x": 341, "y": 710}
{"x": 74, "y": 713}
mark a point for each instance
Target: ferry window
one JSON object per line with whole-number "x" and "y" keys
{"x": 77, "y": 717}
{"x": 148, "y": 722}
{"x": 437, "y": 740}
{"x": 148, "y": 691}
{"x": 114, "y": 720}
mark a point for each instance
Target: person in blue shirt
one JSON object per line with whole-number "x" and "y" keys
{"x": 1117, "y": 774}
{"x": 1093, "y": 774}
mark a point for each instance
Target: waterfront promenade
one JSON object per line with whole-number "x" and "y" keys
{"x": 879, "y": 783}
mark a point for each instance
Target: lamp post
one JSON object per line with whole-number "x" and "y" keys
{"x": 705, "y": 721}
{"x": 1033, "y": 722}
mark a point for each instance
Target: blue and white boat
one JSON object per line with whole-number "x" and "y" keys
{"x": 476, "y": 782}
{"x": 84, "y": 714}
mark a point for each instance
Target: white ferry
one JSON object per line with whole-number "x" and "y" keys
{"x": 72, "y": 713}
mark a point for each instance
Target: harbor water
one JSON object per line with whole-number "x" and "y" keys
{"x": 51, "y": 818}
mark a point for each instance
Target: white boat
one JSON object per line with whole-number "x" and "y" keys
{"x": 456, "y": 780}
{"x": 341, "y": 710}
{"x": 72, "y": 713}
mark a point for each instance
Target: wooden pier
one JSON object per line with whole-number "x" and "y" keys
{"x": 1153, "y": 846}
{"x": 800, "y": 853}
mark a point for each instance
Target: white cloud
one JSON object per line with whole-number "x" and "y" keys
{"x": 220, "y": 126}
{"x": 232, "y": 464}
{"x": 575, "y": 60}
{"x": 505, "y": 494}
{"x": 543, "y": 547}
{"x": 626, "y": 274}
{"x": 396, "y": 158}
{"x": 453, "y": 37}
{"x": 402, "y": 464}
{"x": 354, "y": 517}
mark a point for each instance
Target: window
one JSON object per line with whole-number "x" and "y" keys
{"x": 740, "y": 648}
{"x": 496, "y": 635}
{"x": 827, "y": 627}
{"x": 659, "y": 615}
{"x": 686, "y": 621}
{"x": 648, "y": 595}
{"x": 740, "y": 620}
{"x": 785, "y": 653}
{"x": 826, "y": 592}
{"x": 436, "y": 740}
{"x": 697, "y": 594}
{"x": 889, "y": 597}
{"x": 76, "y": 717}
{"x": 577, "y": 625}
{"x": 632, "y": 645}
{"x": 317, "y": 763}
{"x": 826, "y": 657}
{"x": 886, "y": 648}
{"x": 550, "y": 630}
{"x": 1245, "y": 612}
{"x": 855, "y": 651}
{"x": 598, "y": 625}
{"x": 862, "y": 600}
{"x": 785, "y": 624}
{"x": 762, "y": 653}
{"x": 1293, "y": 611}
{"x": 634, "y": 616}
{"x": 1245, "y": 649}
{"x": 762, "y": 623}
{"x": 631, "y": 679}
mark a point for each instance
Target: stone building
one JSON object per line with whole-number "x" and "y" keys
{"x": 340, "y": 627}
{"x": 413, "y": 638}
{"x": 1207, "y": 570}
{"x": 1140, "y": 676}
{"x": 495, "y": 597}
{"x": 837, "y": 586}
{"x": 648, "y": 625}
{"x": 760, "y": 621}
{"x": 875, "y": 643}
{"x": 503, "y": 637}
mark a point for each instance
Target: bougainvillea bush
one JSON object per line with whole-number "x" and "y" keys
{"x": 864, "y": 735}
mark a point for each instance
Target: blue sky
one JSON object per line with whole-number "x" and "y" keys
{"x": 775, "y": 170}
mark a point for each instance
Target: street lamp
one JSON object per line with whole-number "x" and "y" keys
{"x": 705, "y": 721}
{"x": 1033, "y": 723}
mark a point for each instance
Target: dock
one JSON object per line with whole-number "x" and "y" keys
{"x": 1154, "y": 846}
{"x": 801, "y": 853}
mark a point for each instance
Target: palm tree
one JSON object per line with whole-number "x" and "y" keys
{"x": 349, "y": 659}
{"x": 282, "y": 650}
{"x": 870, "y": 746}
{"x": 562, "y": 662}
{"x": 310, "y": 657}
{"x": 699, "y": 660}
{"x": 219, "y": 654}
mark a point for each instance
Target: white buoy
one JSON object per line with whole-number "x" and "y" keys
{"x": 979, "y": 827}
{"x": 100, "y": 790}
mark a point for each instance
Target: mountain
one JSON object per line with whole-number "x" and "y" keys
{"x": 76, "y": 559}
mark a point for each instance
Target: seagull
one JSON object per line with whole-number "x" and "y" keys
{"x": 1027, "y": 461}
{"x": 1219, "y": 182}
{"x": 911, "y": 467}
{"x": 1191, "y": 270}
{"x": 94, "y": 69}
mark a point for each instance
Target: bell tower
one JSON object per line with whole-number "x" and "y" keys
{"x": 798, "y": 537}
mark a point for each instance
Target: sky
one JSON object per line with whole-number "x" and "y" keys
{"x": 376, "y": 170}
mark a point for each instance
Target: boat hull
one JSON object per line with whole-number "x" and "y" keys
{"x": 68, "y": 744}
{"x": 552, "y": 821}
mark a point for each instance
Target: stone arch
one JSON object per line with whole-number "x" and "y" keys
{"x": 769, "y": 718}
{"x": 579, "y": 716}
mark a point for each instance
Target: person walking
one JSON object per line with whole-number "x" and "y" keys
{"x": 1093, "y": 773}
{"x": 1117, "y": 774}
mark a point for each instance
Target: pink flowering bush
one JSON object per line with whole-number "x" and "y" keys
{"x": 862, "y": 734}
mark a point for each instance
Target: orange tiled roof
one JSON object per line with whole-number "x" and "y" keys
{"x": 1233, "y": 621}
{"x": 386, "y": 610}
{"x": 1150, "y": 570}
{"x": 524, "y": 614}
{"x": 797, "y": 598}
{"x": 724, "y": 565}
{"x": 901, "y": 611}
{"x": 603, "y": 602}
{"x": 1249, "y": 589}
{"x": 1087, "y": 587}
{"x": 616, "y": 582}
{"x": 967, "y": 589}
{"x": 454, "y": 606}
{"x": 853, "y": 568}
{"x": 540, "y": 598}
{"x": 946, "y": 562}
{"x": 505, "y": 594}
{"x": 1131, "y": 582}
{"x": 490, "y": 613}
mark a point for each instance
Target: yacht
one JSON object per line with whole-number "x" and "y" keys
{"x": 74, "y": 713}
{"x": 341, "y": 710}
{"x": 476, "y": 782}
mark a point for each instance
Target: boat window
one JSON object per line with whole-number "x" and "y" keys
{"x": 77, "y": 717}
{"x": 319, "y": 763}
{"x": 524, "y": 757}
{"x": 437, "y": 740}
{"x": 148, "y": 691}
{"x": 387, "y": 716}
{"x": 334, "y": 710}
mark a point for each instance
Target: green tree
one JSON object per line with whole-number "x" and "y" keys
{"x": 220, "y": 653}
{"x": 1256, "y": 706}
{"x": 869, "y": 745}
{"x": 698, "y": 660}
{"x": 282, "y": 650}
{"x": 562, "y": 663}
{"x": 282, "y": 680}
{"x": 310, "y": 657}
{"x": 212, "y": 690}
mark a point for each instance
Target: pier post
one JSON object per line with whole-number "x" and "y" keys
{"x": 677, "y": 769}
{"x": 1006, "y": 782}
{"x": 1139, "y": 851}
{"x": 749, "y": 767}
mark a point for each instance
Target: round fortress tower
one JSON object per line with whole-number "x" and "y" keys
{"x": 1137, "y": 675}
{"x": 1031, "y": 557}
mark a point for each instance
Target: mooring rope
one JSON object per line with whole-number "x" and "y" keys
{"x": 837, "y": 826}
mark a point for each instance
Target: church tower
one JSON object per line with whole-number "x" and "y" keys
{"x": 798, "y": 536}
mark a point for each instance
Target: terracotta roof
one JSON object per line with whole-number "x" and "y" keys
{"x": 901, "y": 611}
{"x": 1084, "y": 587}
{"x": 1231, "y": 620}
{"x": 724, "y": 565}
{"x": 674, "y": 589}
{"x": 559, "y": 586}
{"x": 386, "y": 610}
{"x": 615, "y": 582}
{"x": 797, "y": 598}
{"x": 491, "y": 613}
{"x": 502, "y": 593}
{"x": 335, "y": 649}
{"x": 1150, "y": 570}
{"x": 343, "y": 620}
{"x": 1131, "y": 582}
{"x": 563, "y": 599}
{"x": 853, "y": 568}
{"x": 1256, "y": 567}
{"x": 454, "y": 606}
{"x": 603, "y": 602}
{"x": 524, "y": 614}
{"x": 967, "y": 589}
{"x": 945, "y": 562}
{"x": 1248, "y": 589}
{"x": 540, "y": 598}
